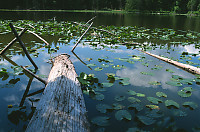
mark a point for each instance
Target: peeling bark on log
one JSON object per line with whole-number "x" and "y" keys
{"x": 186, "y": 67}
{"x": 62, "y": 106}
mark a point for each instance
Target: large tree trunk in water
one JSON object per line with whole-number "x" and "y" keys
{"x": 62, "y": 106}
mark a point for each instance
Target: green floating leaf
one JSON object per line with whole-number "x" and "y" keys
{"x": 14, "y": 81}
{"x": 117, "y": 106}
{"x": 123, "y": 114}
{"x": 169, "y": 103}
{"x": 118, "y": 67}
{"x": 146, "y": 120}
{"x": 154, "y": 113}
{"x": 104, "y": 65}
{"x": 96, "y": 95}
{"x": 145, "y": 64}
{"x": 169, "y": 70}
{"x": 98, "y": 69}
{"x": 133, "y": 100}
{"x": 192, "y": 105}
{"x": 147, "y": 73}
{"x": 136, "y": 106}
{"x": 103, "y": 108}
{"x": 187, "y": 81}
{"x": 185, "y": 92}
{"x": 154, "y": 83}
{"x": 172, "y": 83}
{"x": 140, "y": 95}
{"x": 161, "y": 94}
{"x": 131, "y": 92}
{"x": 154, "y": 100}
{"x": 107, "y": 84}
{"x": 119, "y": 98}
{"x": 92, "y": 64}
{"x": 101, "y": 121}
{"x": 179, "y": 113}
{"x": 177, "y": 77}
{"x": 153, "y": 107}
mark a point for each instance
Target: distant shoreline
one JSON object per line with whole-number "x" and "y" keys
{"x": 105, "y": 11}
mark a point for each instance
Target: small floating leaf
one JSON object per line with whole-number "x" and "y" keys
{"x": 137, "y": 106}
{"x": 103, "y": 108}
{"x": 154, "y": 100}
{"x": 192, "y": 105}
{"x": 14, "y": 81}
{"x": 172, "y": 83}
{"x": 104, "y": 65}
{"x": 140, "y": 95}
{"x": 180, "y": 113}
{"x": 169, "y": 70}
{"x": 146, "y": 120}
{"x": 169, "y": 103}
{"x": 131, "y": 92}
{"x": 98, "y": 69}
{"x": 161, "y": 94}
{"x": 147, "y": 73}
{"x": 117, "y": 106}
{"x": 92, "y": 64}
{"x": 107, "y": 84}
{"x": 154, "y": 113}
{"x": 152, "y": 107}
{"x": 119, "y": 98}
{"x": 101, "y": 121}
{"x": 133, "y": 100}
{"x": 154, "y": 83}
{"x": 123, "y": 114}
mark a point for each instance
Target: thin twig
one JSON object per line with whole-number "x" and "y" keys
{"x": 31, "y": 73}
{"x": 35, "y": 35}
{"x": 13, "y": 41}
{"x": 22, "y": 44}
{"x": 89, "y": 20}
{"x": 81, "y": 37}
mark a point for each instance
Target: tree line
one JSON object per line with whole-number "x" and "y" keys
{"x": 178, "y": 6}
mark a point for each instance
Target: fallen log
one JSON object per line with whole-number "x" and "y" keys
{"x": 186, "y": 67}
{"x": 62, "y": 106}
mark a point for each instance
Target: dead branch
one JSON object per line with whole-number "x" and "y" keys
{"x": 22, "y": 44}
{"x": 35, "y": 35}
{"x": 81, "y": 37}
{"x": 186, "y": 67}
{"x": 32, "y": 74}
{"x": 89, "y": 20}
{"x": 13, "y": 41}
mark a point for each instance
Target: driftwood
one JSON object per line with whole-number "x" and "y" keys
{"x": 81, "y": 37}
{"x": 62, "y": 106}
{"x": 22, "y": 44}
{"x": 35, "y": 35}
{"x": 186, "y": 67}
{"x": 90, "y": 20}
{"x": 12, "y": 42}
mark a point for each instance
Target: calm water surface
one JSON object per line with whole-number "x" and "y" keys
{"x": 183, "y": 119}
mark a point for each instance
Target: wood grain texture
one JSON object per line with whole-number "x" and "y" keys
{"x": 62, "y": 106}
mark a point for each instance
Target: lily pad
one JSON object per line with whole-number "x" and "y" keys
{"x": 146, "y": 120}
{"x": 103, "y": 108}
{"x": 147, "y": 73}
{"x": 123, "y": 114}
{"x": 161, "y": 94}
{"x": 154, "y": 83}
{"x": 92, "y": 64}
{"x": 169, "y": 103}
{"x": 14, "y": 81}
{"x": 173, "y": 83}
{"x": 154, "y": 113}
{"x": 140, "y": 95}
{"x": 133, "y": 100}
{"x": 98, "y": 69}
{"x": 192, "y": 105}
{"x": 154, "y": 100}
{"x": 136, "y": 106}
{"x": 101, "y": 121}
{"x": 117, "y": 106}
{"x": 169, "y": 70}
{"x": 153, "y": 107}
{"x": 119, "y": 98}
{"x": 131, "y": 92}
{"x": 104, "y": 65}
{"x": 107, "y": 84}
{"x": 179, "y": 113}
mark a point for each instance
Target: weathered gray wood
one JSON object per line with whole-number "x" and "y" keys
{"x": 186, "y": 67}
{"x": 62, "y": 106}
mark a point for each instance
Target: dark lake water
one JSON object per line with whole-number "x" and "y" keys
{"x": 168, "y": 118}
